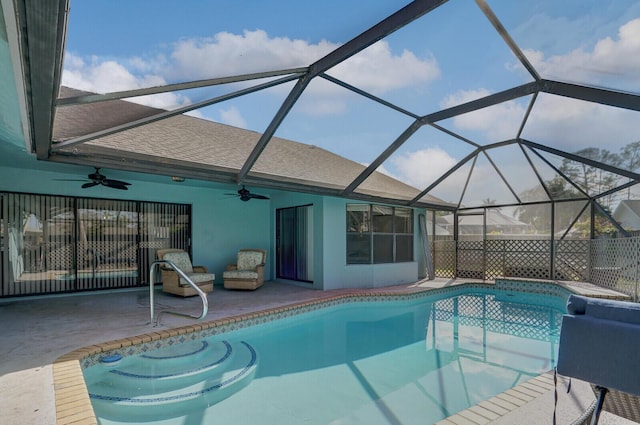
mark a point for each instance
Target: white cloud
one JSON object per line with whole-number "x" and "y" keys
{"x": 375, "y": 69}
{"x": 612, "y": 61}
{"x": 232, "y": 116}
{"x": 104, "y": 76}
{"x": 497, "y": 123}
{"x": 382, "y": 169}
{"x": 378, "y": 70}
{"x": 566, "y": 123}
{"x": 420, "y": 168}
{"x": 571, "y": 125}
{"x": 230, "y": 54}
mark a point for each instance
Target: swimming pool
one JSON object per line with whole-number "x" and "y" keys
{"x": 411, "y": 359}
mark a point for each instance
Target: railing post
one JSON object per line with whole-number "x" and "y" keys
{"x": 552, "y": 247}
{"x": 637, "y": 274}
{"x": 200, "y": 292}
{"x": 152, "y": 282}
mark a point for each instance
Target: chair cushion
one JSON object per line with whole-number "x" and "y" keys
{"x": 617, "y": 310}
{"x": 240, "y": 274}
{"x": 249, "y": 260}
{"x": 198, "y": 278}
{"x": 181, "y": 260}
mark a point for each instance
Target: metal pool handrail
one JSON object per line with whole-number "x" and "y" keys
{"x": 152, "y": 279}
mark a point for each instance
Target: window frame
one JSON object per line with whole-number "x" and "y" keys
{"x": 373, "y": 226}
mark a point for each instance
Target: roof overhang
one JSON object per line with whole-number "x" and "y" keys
{"x": 41, "y": 27}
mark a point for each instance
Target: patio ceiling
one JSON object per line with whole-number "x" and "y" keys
{"x": 526, "y": 123}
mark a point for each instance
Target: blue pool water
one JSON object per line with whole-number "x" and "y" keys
{"x": 391, "y": 362}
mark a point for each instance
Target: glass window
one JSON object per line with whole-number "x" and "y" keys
{"x": 404, "y": 248}
{"x": 382, "y": 218}
{"x": 359, "y": 248}
{"x": 379, "y": 234}
{"x": 382, "y": 248}
{"x": 403, "y": 219}
{"x": 358, "y": 217}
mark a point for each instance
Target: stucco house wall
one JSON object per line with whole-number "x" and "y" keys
{"x": 222, "y": 224}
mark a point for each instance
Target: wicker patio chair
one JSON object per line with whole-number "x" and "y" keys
{"x": 173, "y": 283}
{"x": 616, "y": 402}
{"x": 248, "y": 272}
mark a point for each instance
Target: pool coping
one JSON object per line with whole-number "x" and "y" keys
{"x": 73, "y": 405}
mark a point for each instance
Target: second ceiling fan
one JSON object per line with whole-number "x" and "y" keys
{"x": 245, "y": 195}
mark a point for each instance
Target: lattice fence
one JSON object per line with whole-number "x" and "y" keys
{"x": 495, "y": 258}
{"x": 611, "y": 263}
{"x": 444, "y": 258}
{"x": 59, "y": 256}
{"x": 615, "y": 264}
{"x": 470, "y": 261}
{"x": 514, "y": 258}
{"x": 572, "y": 260}
{"x": 527, "y": 258}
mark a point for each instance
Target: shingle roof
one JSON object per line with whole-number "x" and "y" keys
{"x": 213, "y": 147}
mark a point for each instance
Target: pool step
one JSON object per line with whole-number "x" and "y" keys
{"x": 211, "y": 372}
{"x": 172, "y": 367}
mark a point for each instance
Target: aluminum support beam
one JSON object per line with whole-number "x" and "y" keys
{"x": 169, "y": 114}
{"x": 592, "y": 94}
{"x": 392, "y": 23}
{"x": 369, "y": 96}
{"x": 583, "y": 160}
{"x": 445, "y": 175}
{"x": 493, "y": 99}
{"x": 382, "y": 157}
{"x": 95, "y": 97}
{"x": 482, "y": 4}
{"x": 385, "y": 27}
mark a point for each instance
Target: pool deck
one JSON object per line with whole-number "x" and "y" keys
{"x": 42, "y": 338}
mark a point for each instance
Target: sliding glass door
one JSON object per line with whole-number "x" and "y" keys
{"x": 52, "y": 244}
{"x": 294, "y": 243}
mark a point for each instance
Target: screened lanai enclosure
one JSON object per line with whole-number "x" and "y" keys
{"x": 513, "y": 126}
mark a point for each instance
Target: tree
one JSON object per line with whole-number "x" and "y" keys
{"x": 591, "y": 179}
{"x": 630, "y": 157}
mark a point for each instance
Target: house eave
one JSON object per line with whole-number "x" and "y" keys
{"x": 41, "y": 27}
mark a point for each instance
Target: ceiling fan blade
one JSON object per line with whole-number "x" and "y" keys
{"x": 255, "y": 196}
{"x": 90, "y": 184}
{"x": 116, "y": 184}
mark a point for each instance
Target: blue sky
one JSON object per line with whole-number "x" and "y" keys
{"x": 449, "y": 56}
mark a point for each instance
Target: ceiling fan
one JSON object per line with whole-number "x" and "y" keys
{"x": 245, "y": 195}
{"x": 98, "y": 178}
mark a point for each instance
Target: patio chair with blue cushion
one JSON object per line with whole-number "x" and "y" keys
{"x": 248, "y": 272}
{"x": 173, "y": 283}
{"x": 599, "y": 344}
